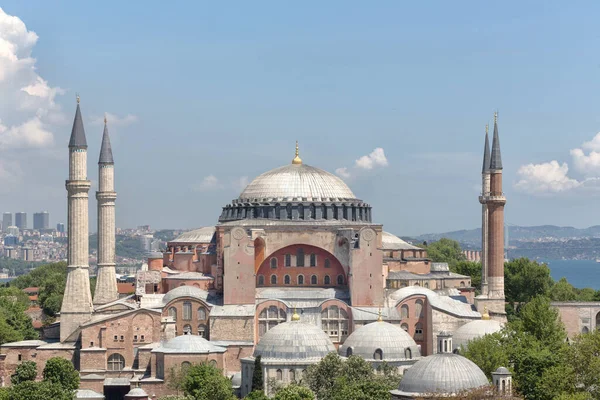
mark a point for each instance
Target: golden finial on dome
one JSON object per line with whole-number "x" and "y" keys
{"x": 485, "y": 316}
{"x": 379, "y": 317}
{"x": 295, "y": 316}
{"x": 297, "y": 160}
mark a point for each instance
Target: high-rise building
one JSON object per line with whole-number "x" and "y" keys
{"x": 60, "y": 227}
{"x": 41, "y": 220}
{"x": 21, "y": 220}
{"x": 6, "y": 221}
{"x": 13, "y": 230}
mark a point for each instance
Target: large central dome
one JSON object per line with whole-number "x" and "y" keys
{"x": 297, "y": 182}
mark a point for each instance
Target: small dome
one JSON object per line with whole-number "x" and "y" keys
{"x": 155, "y": 255}
{"x": 193, "y": 344}
{"x": 473, "y": 330}
{"x": 441, "y": 373}
{"x": 393, "y": 242}
{"x": 236, "y": 379}
{"x": 294, "y": 340}
{"x": 185, "y": 291}
{"x": 502, "y": 371}
{"x": 392, "y": 340}
{"x": 136, "y": 392}
{"x": 201, "y": 235}
{"x": 297, "y": 181}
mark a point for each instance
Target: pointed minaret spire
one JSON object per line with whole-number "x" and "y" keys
{"x": 486, "y": 152}
{"x": 106, "y": 156}
{"x": 78, "y": 133}
{"x": 496, "y": 159}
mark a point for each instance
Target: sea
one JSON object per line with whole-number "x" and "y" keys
{"x": 579, "y": 273}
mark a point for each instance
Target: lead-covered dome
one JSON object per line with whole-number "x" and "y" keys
{"x": 391, "y": 341}
{"x": 474, "y": 330}
{"x": 185, "y": 291}
{"x": 294, "y": 340}
{"x": 297, "y": 182}
{"x": 441, "y": 373}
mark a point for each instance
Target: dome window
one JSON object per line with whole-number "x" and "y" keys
{"x": 313, "y": 280}
{"x": 273, "y": 279}
{"x": 300, "y": 279}
{"x": 286, "y": 280}
{"x": 327, "y": 280}
{"x": 348, "y": 351}
{"x": 378, "y": 355}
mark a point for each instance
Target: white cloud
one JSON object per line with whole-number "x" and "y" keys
{"x": 588, "y": 165}
{"x": 343, "y": 172}
{"x": 31, "y": 133}
{"x": 114, "y": 120}
{"x": 375, "y": 159}
{"x": 550, "y": 177}
{"x": 209, "y": 183}
{"x": 593, "y": 144}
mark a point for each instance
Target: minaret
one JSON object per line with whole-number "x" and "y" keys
{"x": 106, "y": 282}
{"x": 495, "y": 248}
{"x": 77, "y": 300}
{"x": 485, "y": 192}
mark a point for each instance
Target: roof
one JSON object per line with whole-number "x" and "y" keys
{"x": 185, "y": 291}
{"x": 473, "y": 330}
{"x": 31, "y": 289}
{"x": 443, "y": 303}
{"x": 411, "y": 275}
{"x": 201, "y": 235}
{"x": 294, "y": 340}
{"x": 496, "y": 158}
{"x": 392, "y": 242}
{"x": 486, "y": 154}
{"x": 296, "y": 182}
{"x": 137, "y": 392}
{"x": 189, "y": 344}
{"x": 372, "y": 313}
{"x": 106, "y": 156}
{"x": 233, "y": 310}
{"x": 126, "y": 288}
{"x": 87, "y": 394}
{"x": 392, "y": 340}
{"x": 25, "y": 343}
{"x": 442, "y": 373}
{"x": 78, "y": 133}
{"x": 328, "y": 223}
{"x": 190, "y": 276}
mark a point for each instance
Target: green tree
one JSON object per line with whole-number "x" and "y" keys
{"x": 256, "y": 395}
{"x": 582, "y": 358}
{"x": 205, "y": 382}
{"x": 488, "y": 352}
{"x": 62, "y": 372}
{"x": 321, "y": 377}
{"x": 176, "y": 379}
{"x": 257, "y": 376}
{"x": 294, "y": 392}
{"x": 445, "y": 250}
{"x": 541, "y": 321}
{"x": 469, "y": 268}
{"x": 26, "y": 371}
{"x": 44, "y": 390}
{"x": 563, "y": 291}
{"x": 525, "y": 279}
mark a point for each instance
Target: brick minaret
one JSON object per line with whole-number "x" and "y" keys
{"x": 77, "y": 300}
{"x": 485, "y": 192}
{"x": 106, "y": 283}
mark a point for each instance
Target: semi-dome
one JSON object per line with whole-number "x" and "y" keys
{"x": 393, "y": 342}
{"x": 441, "y": 373}
{"x": 390, "y": 241}
{"x": 185, "y": 291}
{"x": 474, "y": 330}
{"x": 294, "y": 340}
{"x": 297, "y": 182}
{"x": 189, "y": 344}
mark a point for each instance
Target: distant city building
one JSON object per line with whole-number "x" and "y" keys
{"x": 60, "y": 227}
{"x": 21, "y": 220}
{"x": 27, "y": 254}
{"x": 13, "y": 230}
{"x": 6, "y": 221}
{"x": 11, "y": 240}
{"x": 146, "y": 242}
{"x": 10, "y": 252}
{"x": 41, "y": 220}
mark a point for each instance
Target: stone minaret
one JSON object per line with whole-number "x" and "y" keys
{"x": 106, "y": 282}
{"x": 485, "y": 192}
{"x": 77, "y": 300}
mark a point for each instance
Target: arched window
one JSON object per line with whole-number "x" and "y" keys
{"x": 462, "y": 284}
{"x": 378, "y": 355}
{"x": 418, "y": 331}
{"x": 300, "y": 257}
{"x": 585, "y": 329}
{"x": 187, "y": 311}
{"x": 288, "y": 260}
{"x": 261, "y": 280}
{"x": 201, "y": 313}
{"x": 598, "y": 321}
{"x": 313, "y": 280}
{"x": 203, "y": 331}
{"x": 273, "y": 279}
{"x": 286, "y": 280}
{"x": 327, "y": 280}
{"x": 255, "y": 212}
{"x": 279, "y": 374}
{"x": 212, "y": 363}
{"x": 300, "y": 279}
{"x": 426, "y": 285}
{"x": 300, "y": 211}
{"x": 273, "y": 262}
{"x": 340, "y": 279}
{"x": 187, "y": 330}
{"x": 313, "y": 260}
{"x": 292, "y": 375}
{"x": 353, "y": 213}
{"x": 348, "y": 351}
{"x": 404, "y": 311}
{"x": 324, "y": 211}
{"x": 313, "y": 212}
{"x": 344, "y": 211}
{"x": 185, "y": 365}
{"x": 270, "y": 318}
{"x": 277, "y": 211}
{"x": 173, "y": 313}
{"x": 288, "y": 209}
{"x": 327, "y": 263}
{"x": 408, "y": 354}
{"x": 335, "y": 211}
{"x": 419, "y": 308}
{"x": 405, "y": 327}
{"x": 335, "y": 322}
{"x": 116, "y": 362}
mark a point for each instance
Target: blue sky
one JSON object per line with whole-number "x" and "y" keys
{"x": 203, "y": 97}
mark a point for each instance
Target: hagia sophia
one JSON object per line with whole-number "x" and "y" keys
{"x": 296, "y": 267}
